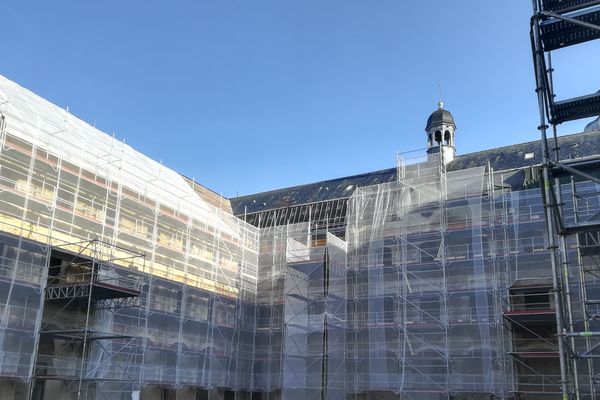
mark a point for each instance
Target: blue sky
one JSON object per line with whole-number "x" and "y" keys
{"x": 253, "y": 95}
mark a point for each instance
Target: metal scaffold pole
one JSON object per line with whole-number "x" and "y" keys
{"x": 583, "y": 292}
{"x": 556, "y": 25}
{"x": 547, "y": 195}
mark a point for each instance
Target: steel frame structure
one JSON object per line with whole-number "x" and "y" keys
{"x": 557, "y": 24}
{"x": 103, "y": 356}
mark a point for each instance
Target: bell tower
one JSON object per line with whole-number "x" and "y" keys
{"x": 440, "y": 134}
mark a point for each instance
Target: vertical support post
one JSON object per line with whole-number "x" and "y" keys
{"x": 583, "y": 290}
{"x": 84, "y": 347}
{"x": 564, "y": 261}
{"x": 547, "y": 192}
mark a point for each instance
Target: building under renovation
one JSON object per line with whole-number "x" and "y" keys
{"x": 446, "y": 276}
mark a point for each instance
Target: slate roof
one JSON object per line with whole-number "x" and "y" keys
{"x": 438, "y": 117}
{"x": 309, "y": 193}
{"x": 593, "y": 126}
{"x": 501, "y": 158}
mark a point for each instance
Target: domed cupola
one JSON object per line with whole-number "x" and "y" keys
{"x": 440, "y": 134}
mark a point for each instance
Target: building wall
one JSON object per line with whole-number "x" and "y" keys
{"x": 436, "y": 265}
{"x": 65, "y": 184}
{"x": 412, "y": 300}
{"x": 22, "y": 275}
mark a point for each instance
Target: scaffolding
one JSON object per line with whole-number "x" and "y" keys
{"x": 424, "y": 279}
{"x": 314, "y": 315}
{"x": 569, "y": 197}
{"x": 120, "y": 277}
{"x": 268, "y": 345}
{"x": 93, "y": 324}
{"x": 447, "y": 294}
{"x": 300, "y": 350}
{"x": 63, "y": 182}
{"x": 22, "y": 275}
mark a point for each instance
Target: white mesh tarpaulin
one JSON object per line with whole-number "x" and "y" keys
{"x": 426, "y": 323}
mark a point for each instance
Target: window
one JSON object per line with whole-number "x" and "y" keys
{"x": 447, "y": 137}
{"x": 529, "y": 156}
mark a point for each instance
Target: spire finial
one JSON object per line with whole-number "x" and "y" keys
{"x": 440, "y": 102}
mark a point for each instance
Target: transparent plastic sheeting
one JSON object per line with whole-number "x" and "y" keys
{"x": 315, "y": 317}
{"x": 303, "y": 352}
{"x": 64, "y": 181}
{"x": 424, "y": 321}
{"x": 180, "y": 336}
{"x": 336, "y": 318}
{"x": 409, "y": 304}
{"x": 22, "y": 274}
{"x": 40, "y": 122}
{"x": 268, "y": 344}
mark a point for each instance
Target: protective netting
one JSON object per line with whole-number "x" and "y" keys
{"x": 22, "y": 273}
{"x": 301, "y": 309}
{"x": 423, "y": 311}
{"x": 266, "y": 372}
{"x": 64, "y": 183}
{"x": 303, "y": 352}
{"x": 334, "y": 384}
{"x": 416, "y": 299}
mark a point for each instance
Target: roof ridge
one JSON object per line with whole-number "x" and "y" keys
{"x": 456, "y": 161}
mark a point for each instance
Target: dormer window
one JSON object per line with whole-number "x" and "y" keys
{"x": 529, "y": 156}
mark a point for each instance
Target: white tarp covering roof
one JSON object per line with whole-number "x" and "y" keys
{"x": 36, "y": 120}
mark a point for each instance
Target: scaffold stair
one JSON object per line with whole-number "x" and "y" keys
{"x": 578, "y": 107}
{"x": 563, "y": 6}
{"x": 557, "y": 33}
